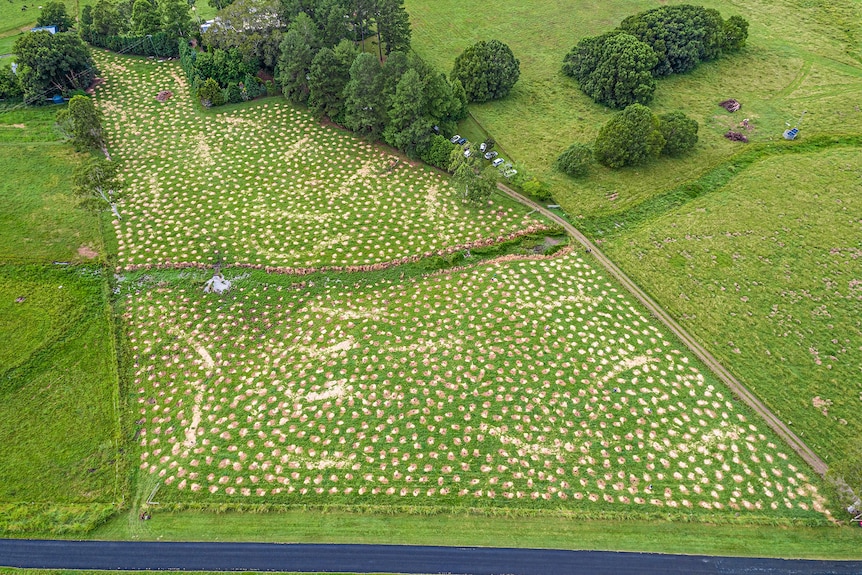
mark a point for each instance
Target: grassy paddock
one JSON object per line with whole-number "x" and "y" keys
{"x": 40, "y": 220}
{"x": 765, "y": 271}
{"x": 59, "y": 457}
{"x": 777, "y": 76}
{"x": 464, "y": 529}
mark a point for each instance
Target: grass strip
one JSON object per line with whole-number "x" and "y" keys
{"x": 612, "y": 225}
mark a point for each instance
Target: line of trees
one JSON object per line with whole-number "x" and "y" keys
{"x": 143, "y": 27}
{"x": 619, "y": 68}
{"x": 632, "y": 137}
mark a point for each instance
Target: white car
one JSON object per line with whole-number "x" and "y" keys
{"x": 466, "y": 153}
{"x": 482, "y": 146}
{"x": 510, "y": 173}
{"x": 454, "y": 139}
{"x": 498, "y": 162}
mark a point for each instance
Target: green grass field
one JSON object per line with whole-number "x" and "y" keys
{"x": 460, "y": 529}
{"x": 40, "y": 220}
{"x": 800, "y": 56}
{"x": 59, "y": 457}
{"x": 766, "y": 271}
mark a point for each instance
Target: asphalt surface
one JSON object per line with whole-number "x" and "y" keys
{"x": 134, "y": 555}
{"x": 742, "y": 392}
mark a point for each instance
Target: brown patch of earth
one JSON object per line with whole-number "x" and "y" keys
{"x": 19, "y": 126}
{"x": 87, "y": 252}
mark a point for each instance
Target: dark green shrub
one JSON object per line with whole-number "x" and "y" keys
{"x": 679, "y": 132}
{"x": 487, "y": 70}
{"x": 575, "y": 161}
{"x": 210, "y": 93}
{"x": 629, "y": 138}
{"x": 438, "y": 152}
{"x": 233, "y": 93}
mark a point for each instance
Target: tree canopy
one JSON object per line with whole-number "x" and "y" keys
{"x": 575, "y": 161}
{"x": 679, "y": 132}
{"x": 631, "y": 137}
{"x": 682, "y": 36}
{"x": 487, "y": 70}
{"x": 54, "y": 14}
{"x": 81, "y": 123}
{"x": 52, "y": 63}
{"x": 613, "y": 69}
{"x": 252, "y": 26}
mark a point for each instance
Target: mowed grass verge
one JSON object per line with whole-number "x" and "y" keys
{"x": 766, "y": 271}
{"x": 265, "y": 184}
{"x": 800, "y": 57}
{"x": 59, "y": 428}
{"x": 464, "y": 529}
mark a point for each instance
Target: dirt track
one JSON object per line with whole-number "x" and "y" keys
{"x": 719, "y": 370}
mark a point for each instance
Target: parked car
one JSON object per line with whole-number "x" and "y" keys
{"x": 498, "y": 162}
{"x": 510, "y": 173}
{"x": 490, "y": 155}
{"x": 482, "y": 146}
{"x": 467, "y": 153}
{"x": 461, "y": 141}
{"x": 454, "y": 139}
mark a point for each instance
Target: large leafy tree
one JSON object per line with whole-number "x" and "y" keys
{"x": 681, "y": 36}
{"x": 477, "y": 184}
{"x": 252, "y": 26}
{"x": 81, "y": 123}
{"x": 328, "y": 76}
{"x": 145, "y": 18}
{"x": 106, "y": 20}
{"x": 298, "y": 48}
{"x": 54, "y": 14}
{"x": 393, "y": 25}
{"x": 487, "y": 70}
{"x": 629, "y": 138}
{"x": 409, "y": 127}
{"x": 679, "y": 132}
{"x": 365, "y": 110}
{"x": 95, "y": 180}
{"x": 51, "y": 63}
{"x": 613, "y": 69}
{"x": 176, "y": 17}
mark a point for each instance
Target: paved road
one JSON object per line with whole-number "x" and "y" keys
{"x": 133, "y": 555}
{"x": 734, "y": 384}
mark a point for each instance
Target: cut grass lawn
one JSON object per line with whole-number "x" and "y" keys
{"x": 778, "y": 75}
{"x": 266, "y": 184}
{"x": 540, "y": 531}
{"x": 40, "y": 219}
{"x": 767, "y": 272}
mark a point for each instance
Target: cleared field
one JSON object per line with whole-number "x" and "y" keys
{"x": 266, "y": 184}
{"x": 529, "y": 383}
{"x": 800, "y": 56}
{"x": 58, "y": 386}
{"x": 40, "y": 220}
{"x": 766, "y": 271}
{"x": 58, "y": 373}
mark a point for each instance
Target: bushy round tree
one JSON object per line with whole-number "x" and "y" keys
{"x": 54, "y": 14}
{"x": 613, "y": 69}
{"x": 81, "y": 123}
{"x": 210, "y": 93}
{"x": 575, "y": 161}
{"x": 679, "y": 132}
{"x": 487, "y": 70}
{"x": 629, "y": 138}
